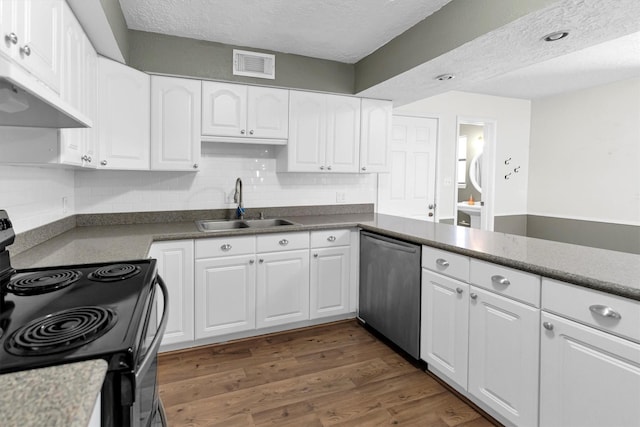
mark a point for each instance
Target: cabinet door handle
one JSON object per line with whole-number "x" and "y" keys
{"x": 331, "y": 238}
{"x": 251, "y": 132}
{"x": 315, "y": 255}
{"x": 364, "y": 168}
{"x": 473, "y": 295}
{"x": 261, "y": 261}
{"x": 459, "y": 290}
{"x": 103, "y": 163}
{"x": 251, "y": 261}
{"x": 283, "y": 242}
{"x": 242, "y": 132}
{"x": 442, "y": 262}
{"x": 225, "y": 247}
{"x": 500, "y": 280}
{"x": 26, "y": 50}
{"x": 548, "y": 326}
{"x": 12, "y": 37}
{"x": 195, "y": 166}
{"x": 321, "y": 168}
{"x": 605, "y": 311}
{"x": 328, "y": 167}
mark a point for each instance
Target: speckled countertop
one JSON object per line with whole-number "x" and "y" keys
{"x": 609, "y": 271}
{"x": 58, "y": 396}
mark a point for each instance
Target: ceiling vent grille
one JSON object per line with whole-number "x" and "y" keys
{"x": 254, "y": 64}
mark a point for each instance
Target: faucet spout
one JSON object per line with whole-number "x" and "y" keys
{"x": 237, "y": 198}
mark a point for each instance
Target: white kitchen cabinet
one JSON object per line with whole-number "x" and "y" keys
{"x": 376, "y": 135}
{"x": 32, "y": 37}
{"x": 123, "y": 116}
{"x": 175, "y": 123}
{"x": 240, "y": 113}
{"x": 330, "y": 281}
{"x": 444, "y": 330}
{"x": 175, "y": 261}
{"x": 588, "y": 378}
{"x": 324, "y": 134}
{"x": 225, "y": 296}
{"x": 282, "y": 287}
{"x": 504, "y": 356}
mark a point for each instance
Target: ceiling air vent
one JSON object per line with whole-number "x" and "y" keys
{"x": 254, "y": 64}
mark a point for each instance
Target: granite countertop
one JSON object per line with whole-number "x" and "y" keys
{"x": 608, "y": 271}
{"x": 62, "y": 395}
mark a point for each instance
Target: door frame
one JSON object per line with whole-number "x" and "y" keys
{"x": 488, "y": 170}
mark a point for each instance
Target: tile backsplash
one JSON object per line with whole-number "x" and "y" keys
{"x": 212, "y": 187}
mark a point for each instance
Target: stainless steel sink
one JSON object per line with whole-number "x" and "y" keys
{"x": 265, "y": 223}
{"x": 209, "y": 226}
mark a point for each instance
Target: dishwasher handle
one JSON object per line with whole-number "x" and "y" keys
{"x": 390, "y": 243}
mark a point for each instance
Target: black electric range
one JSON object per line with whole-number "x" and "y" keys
{"x": 62, "y": 314}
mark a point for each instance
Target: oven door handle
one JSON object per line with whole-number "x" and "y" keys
{"x": 155, "y": 344}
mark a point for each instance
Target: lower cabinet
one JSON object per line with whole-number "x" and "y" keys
{"x": 175, "y": 266}
{"x": 225, "y": 295}
{"x": 330, "y": 281}
{"x": 282, "y": 288}
{"x": 504, "y": 355}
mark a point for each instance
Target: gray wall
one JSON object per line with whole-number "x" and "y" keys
{"x": 159, "y": 53}
{"x": 457, "y": 23}
{"x": 511, "y": 224}
{"x": 113, "y": 12}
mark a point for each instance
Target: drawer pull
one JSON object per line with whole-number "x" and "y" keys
{"x": 605, "y": 311}
{"x": 331, "y": 238}
{"x": 500, "y": 280}
{"x": 283, "y": 242}
{"x": 548, "y": 326}
{"x": 225, "y": 247}
{"x": 459, "y": 290}
{"x": 442, "y": 262}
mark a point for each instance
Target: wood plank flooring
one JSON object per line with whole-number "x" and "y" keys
{"x": 332, "y": 375}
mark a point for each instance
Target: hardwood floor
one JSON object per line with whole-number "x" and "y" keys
{"x": 332, "y": 375}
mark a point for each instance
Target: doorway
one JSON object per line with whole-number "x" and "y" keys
{"x": 475, "y": 167}
{"x": 409, "y": 189}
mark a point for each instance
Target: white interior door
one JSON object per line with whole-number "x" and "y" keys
{"x": 409, "y": 189}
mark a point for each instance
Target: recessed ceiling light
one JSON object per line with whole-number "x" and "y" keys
{"x": 445, "y": 77}
{"x": 553, "y": 37}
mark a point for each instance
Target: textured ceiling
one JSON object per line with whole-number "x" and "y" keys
{"x": 340, "y": 30}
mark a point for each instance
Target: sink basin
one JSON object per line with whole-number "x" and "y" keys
{"x": 216, "y": 225}
{"x": 209, "y": 226}
{"x": 264, "y": 223}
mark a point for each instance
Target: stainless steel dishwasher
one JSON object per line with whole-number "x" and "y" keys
{"x": 389, "y": 298}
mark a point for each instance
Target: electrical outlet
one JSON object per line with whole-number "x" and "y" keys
{"x": 341, "y": 197}
{"x": 64, "y": 205}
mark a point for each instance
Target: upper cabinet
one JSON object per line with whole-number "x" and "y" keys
{"x": 324, "y": 134}
{"x": 123, "y": 116}
{"x": 376, "y": 135}
{"x": 175, "y": 123}
{"x": 32, "y": 36}
{"x": 249, "y": 114}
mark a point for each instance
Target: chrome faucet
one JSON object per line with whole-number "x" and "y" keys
{"x": 237, "y": 198}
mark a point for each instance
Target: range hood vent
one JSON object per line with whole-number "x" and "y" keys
{"x": 26, "y": 102}
{"x": 254, "y": 64}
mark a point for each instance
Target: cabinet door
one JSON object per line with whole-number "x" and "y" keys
{"x": 307, "y": 132}
{"x": 39, "y": 31}
{"x": 225, "y": 295}
{"x": 503, "y": 356}
{"x": 444, "y": 331}
{"x": 343, "y": 133}
{"x": 282, "y": 288}
{"x": 123, "y": 116}
{"x": 268, "y": 112}
{"x": 588, "y": 378}
{"x": 376, "y": 135}
{"x": 224, "y": 109}
{"x": 175, "y": 266}
{"x": 7, "y": 26}
{"x": 91, "y": 105}
{"x": 175, "y": 123}
{"x": 330, "y": 280}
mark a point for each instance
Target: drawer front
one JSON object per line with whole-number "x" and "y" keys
{"x": 225, "y": 246}
{"x": 506, "y": 281}
{"x": 611, "y": 313}
{"x": 278, "y": 242}
{"x": 330, "y": 238}
{"x": 446, "y": 263}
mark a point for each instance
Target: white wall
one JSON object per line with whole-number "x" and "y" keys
{"x": 512, "y": 140}
{"x": 585, "y": 154}
{"x": 32, "y": 196}
{"x": 212, "y": 187}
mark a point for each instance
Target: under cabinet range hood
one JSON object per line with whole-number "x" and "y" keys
{"x": 26, "y": 102}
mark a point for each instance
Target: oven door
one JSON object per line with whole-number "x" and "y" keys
{"x": 147, "y": 409}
